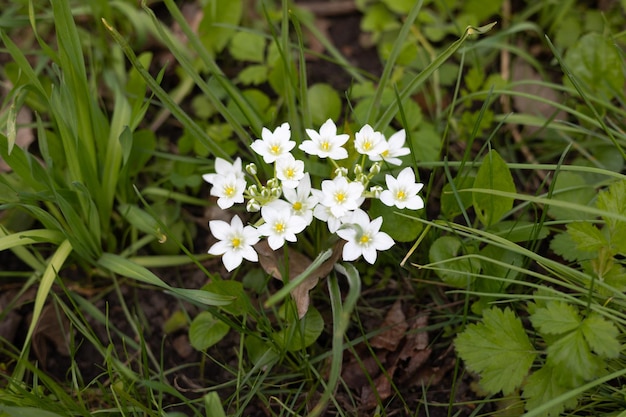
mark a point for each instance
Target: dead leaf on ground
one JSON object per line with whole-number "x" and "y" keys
{"x": 272, "y": 260}
{"x": 52, "y": 328}
{"x": 395, "y": 325}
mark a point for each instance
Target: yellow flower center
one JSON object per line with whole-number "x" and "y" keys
{"x": 400, "y": 195}
{"x": 275, "y": 149}
{"x": 235, "y": 242}
{"x": 229, "y": 190}
{"x": 385, "y": 153}
{"x": 297, "y": 206}
{"x": 340, "y": 197}
{"x": 364, "y": 240}
{"x": 325, "y": 145}
{"x": 289, "y": 172}
{"x": 367, "y": 145}
{"x": 279, "y": 227}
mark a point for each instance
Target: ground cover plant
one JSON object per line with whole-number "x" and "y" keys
{"x": 312, "y": 208}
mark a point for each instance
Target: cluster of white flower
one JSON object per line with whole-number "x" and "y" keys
{"x": 288, "y": 204}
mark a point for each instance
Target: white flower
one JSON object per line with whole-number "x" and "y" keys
{"x": 327, "y": 143}
{"x": 235, "y": 242}
{"x": 323, "y": 213}
{"x": 229, "y": 189}
{"x": 223, "y": 168}
{"x": 395, "y": 148}
{"x": 402, "y": 192}
{"x": 368, "y": 142}
{"x": 300, "y": 200}
{"x": 363, "y": 237}
{"x": 289, "y": 171}
{"x": 274, "y": 145}
{"x": 341, "y": 196}
{"x": 280, "y": 226}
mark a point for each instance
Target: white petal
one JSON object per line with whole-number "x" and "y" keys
{"x": 250, "y": 254}
{"x": 220, "y": 229}
{"x": 382, "y": 241}
{"x": 219, "y": 248}
{"x": 275, "y": 242}
{"x": 351, "y": 251}
{"x": 387, "y": 198}
{"x": 231, "y": 260}
{"x": 369, "y": 254}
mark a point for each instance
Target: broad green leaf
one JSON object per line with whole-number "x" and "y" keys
{"x": 454, "y": 202}
{"x": 543, "y": 386}
{"x": 601, "y": 335}
{"x": 615, "y": 277}
{"x": 261, "y": 352}
{"x": 588, "y": 237}
{"x": 206, "y": 330}
{"x": 248, "y": 46}
{"x": 9, "y": 411}
{"x": 241, "y": 303}
{"x": 399, "y": 227}
{"x": 378, "y": 18}
{"x": 519, "y": 230}
{"x": 497, "y": 349}
{"x": 596, "y": 61}
{"x": 563, "y": 245}
{"x": 302, "y": 332}
{"x": 572, "y": 188}
{"x": 324, "y": 103}
{"x": 571, "y": 355}
{"x": 493, "y": 174}
{"x": 218, "y": 22}
{"x": 499, "y": 269}
{"x": 426, "y": 143}
{"x": 452, "y": 269}
{"x": 213, "y": 405}
{"x": 140, "y": 219}
{"x": 399, "y": 6}
{"x": 253, "y": 74}
{"x": 556, "y": 317}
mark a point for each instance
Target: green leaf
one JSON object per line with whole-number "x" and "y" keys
{"x": 498, "y": 270}
{"x": 400, "y": 228}
{"x": 426, "y": 143}
{"x": 493, "y": 174}
{"x": 601, "y": 335}
{"x": 595, "y": 60}
{"x": 324, "y": 103}
{"x": 543, "y": 386}
{"x": 563, "y": 245}
{"x": 206, "y": 330}
{"x": 572, "y": 188}
{"x": 453, "y": 202}
{"x": 301, "y": 333}
{"x": 498, "y": 349}
{"x": 241, "y": 303}
{"x": 218, "y": 22}
{"x": 253, "y": 74}
{"x": 247, "y": 46}
{"x": 556, "y": 317}
{"x": 213, "y": 405}
{"x": 9, "y": 411}
{"x": 571, "y": 356}
{"x": 127, "y": 268}
{"x": 588, "y": 237}
{"x": 453, "y": 270}
{"x": 613, "y": 201}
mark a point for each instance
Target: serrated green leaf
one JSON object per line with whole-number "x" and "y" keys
{"x": 571, "y": 356}
{"x": 601, "y": 335}
{"x": 572, "y": 188}
{"x": 498, "y": 349}
{"x": 493, "y": 174}
{"x": 543, "y": 386}
{"x": 426, "y": 143}
{"x": 563, "y": 245}
{"x": 587, "y": 236}
{"x": 206, "y": 330}
{"x": 613, "y": 200}
{"x": 614, "y": 277}
{"x": 451, "y": 269}
{"x": 556, "y": 317}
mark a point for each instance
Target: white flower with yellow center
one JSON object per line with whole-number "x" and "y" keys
{"x": 299, "y": 200}
{"x": 326, "y": 143}
{"x": 234, "y": 242}
{"x": 395, "y": 149}
{"x": 274, "y": 145}
{"x": 228, "y": 189}
{"x": 289, "y": 171}
{"x": 280, "y": 226}
{"x": 363, "y": 237}
{"x": 402, "y": 191}
{"x": 368, "y": 142}
{"x": 341, "y": 196}
{"x": 223, "y": 168}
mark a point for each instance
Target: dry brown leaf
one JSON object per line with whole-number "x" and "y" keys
{"x": 51, "y": 328}
{"x": 380, "y": 392}
{"x": 396, "y": 325}
{"x": 415, "y": 351}
{"x": 272, "y": 260}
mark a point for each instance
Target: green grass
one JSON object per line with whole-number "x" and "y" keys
{"x": 523, "y": 220}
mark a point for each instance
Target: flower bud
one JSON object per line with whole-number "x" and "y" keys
{"x": 358, "y": 170}
{"x": 273, "y": 183}
{"x": 253, "y": 190}
{"x": 341, "y": 172}
{"x": 251, "y": 168}
{"x": 376, "y": 190}
{"x": 276, "y": 192}
{"x": 375, "y": 169}
{"x": 253, "y": 206}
